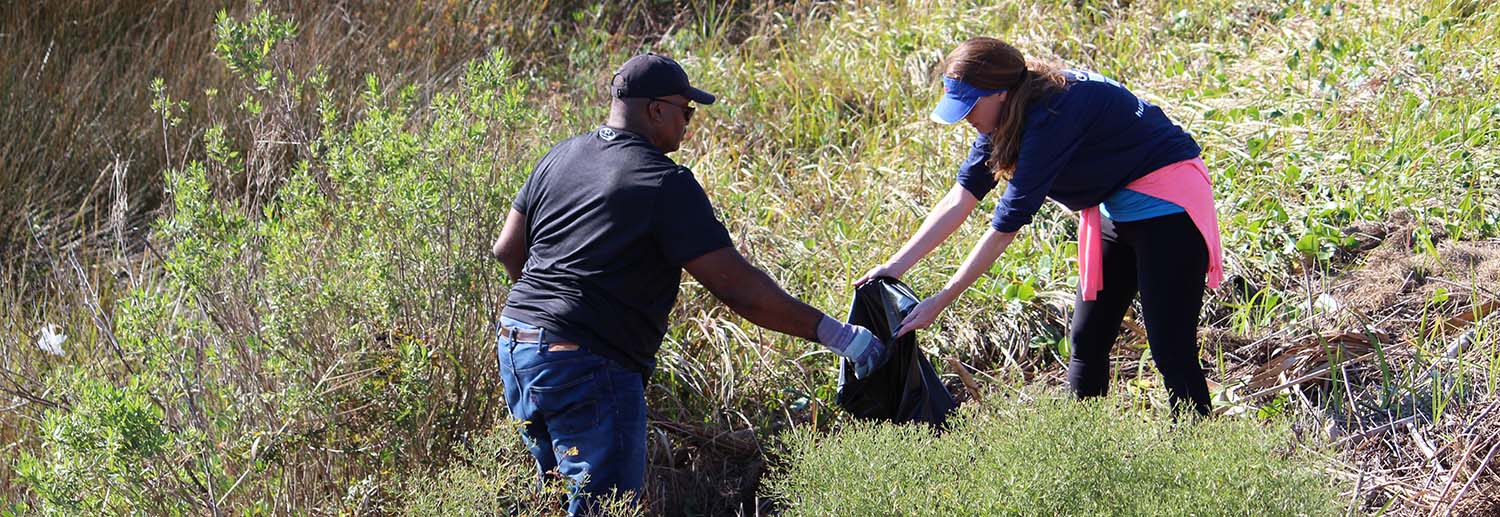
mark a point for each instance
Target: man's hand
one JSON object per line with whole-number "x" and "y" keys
{"x": 866, "y": 352}
{"x": 853, "y": 342}
{"x": 750, "y": 293}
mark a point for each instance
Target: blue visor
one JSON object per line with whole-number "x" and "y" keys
{"x": 958, "y": 99}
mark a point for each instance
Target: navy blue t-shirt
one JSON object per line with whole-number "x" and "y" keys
{"x": 610, "y": 220}
{"x": 1078, "y": 147}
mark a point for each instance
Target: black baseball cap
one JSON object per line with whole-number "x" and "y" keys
{"x": 650, "y": 75}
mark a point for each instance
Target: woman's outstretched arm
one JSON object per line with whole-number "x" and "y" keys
{"x": 946, "y": 216}
{"x": 980, "y": 258}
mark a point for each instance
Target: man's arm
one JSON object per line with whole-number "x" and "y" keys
{"x": 510, "y": 248}
{"x": 752, "y": 293}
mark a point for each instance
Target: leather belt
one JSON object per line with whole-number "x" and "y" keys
{"x": 520, "y": 335}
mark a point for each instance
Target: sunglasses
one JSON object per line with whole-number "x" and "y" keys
{"x": 687, "y": 111}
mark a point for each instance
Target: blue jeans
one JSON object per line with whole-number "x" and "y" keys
{"x": 585, "y": 415}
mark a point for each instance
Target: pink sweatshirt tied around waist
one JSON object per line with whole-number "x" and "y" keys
{"x": 1184, "y": 183}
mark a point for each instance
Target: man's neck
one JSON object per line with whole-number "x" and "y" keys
{"x": 618, "y": 124}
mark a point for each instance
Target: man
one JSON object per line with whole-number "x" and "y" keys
{"x": 595, "y": 243}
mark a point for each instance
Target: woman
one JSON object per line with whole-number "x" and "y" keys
{"x": 1088, "y": 143}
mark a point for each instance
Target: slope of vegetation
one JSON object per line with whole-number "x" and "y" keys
{"x": 303, "y": 323}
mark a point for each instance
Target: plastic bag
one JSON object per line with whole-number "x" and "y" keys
{"x": 905, "y": 388}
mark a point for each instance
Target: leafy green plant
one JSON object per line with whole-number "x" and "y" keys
{"x": 1038, "y": 454}
{"x": 102, "y": 454}
{"x": 284, "y": 337}
{"x": 495, "y": 475}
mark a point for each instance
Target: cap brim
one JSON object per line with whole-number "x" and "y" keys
{"x": 698, "y": 96}
{"x": 951, "y": 109}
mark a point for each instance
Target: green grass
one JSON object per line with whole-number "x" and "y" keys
{"x": 493, "y": 475}
{"x": 308, "y": 314}
{"x": 1038, "y": 454}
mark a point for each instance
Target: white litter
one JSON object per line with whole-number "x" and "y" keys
{"x": 50, "y": 340}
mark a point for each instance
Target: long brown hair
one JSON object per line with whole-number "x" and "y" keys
{"x": 993, "y": 64}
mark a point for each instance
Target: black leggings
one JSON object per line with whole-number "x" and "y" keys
{"x": 1165, "y": 259}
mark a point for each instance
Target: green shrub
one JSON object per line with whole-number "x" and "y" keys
{"x": 1051, "y": 456}
{"x": 321, "y": 316}
{"x": 494, "y": 476}
{"x": 101, "y": 454}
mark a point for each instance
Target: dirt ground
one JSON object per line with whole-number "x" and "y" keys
{"x": 1408, "y": 400}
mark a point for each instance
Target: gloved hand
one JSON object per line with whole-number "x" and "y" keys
{"x": 853, "y": 342}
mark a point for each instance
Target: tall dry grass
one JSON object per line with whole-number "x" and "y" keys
{"x": 75, "y": 96}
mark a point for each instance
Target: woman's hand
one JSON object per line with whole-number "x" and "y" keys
{"x": 889, "y": 269}
{"x": 923, "y": 314}
{"x": 980, "y": 258}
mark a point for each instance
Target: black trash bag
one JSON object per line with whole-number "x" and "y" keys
{"x": 905, "y": 388}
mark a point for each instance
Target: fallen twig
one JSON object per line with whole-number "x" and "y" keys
{"x": 1299, "y": 380}
{"x": 1459, "y": 345}
{"x": 1374, "y": 430}
{"x": 1422, "y": 445}
{"x": 1477, "y": 472}
{"x": 1468, "y": 452}
{"x": 968, "y": 380}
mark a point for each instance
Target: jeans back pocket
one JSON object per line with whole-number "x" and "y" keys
{"x": 567, "y": 398}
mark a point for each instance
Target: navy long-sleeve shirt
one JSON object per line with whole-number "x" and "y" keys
{"x": 1079, "y": 147}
